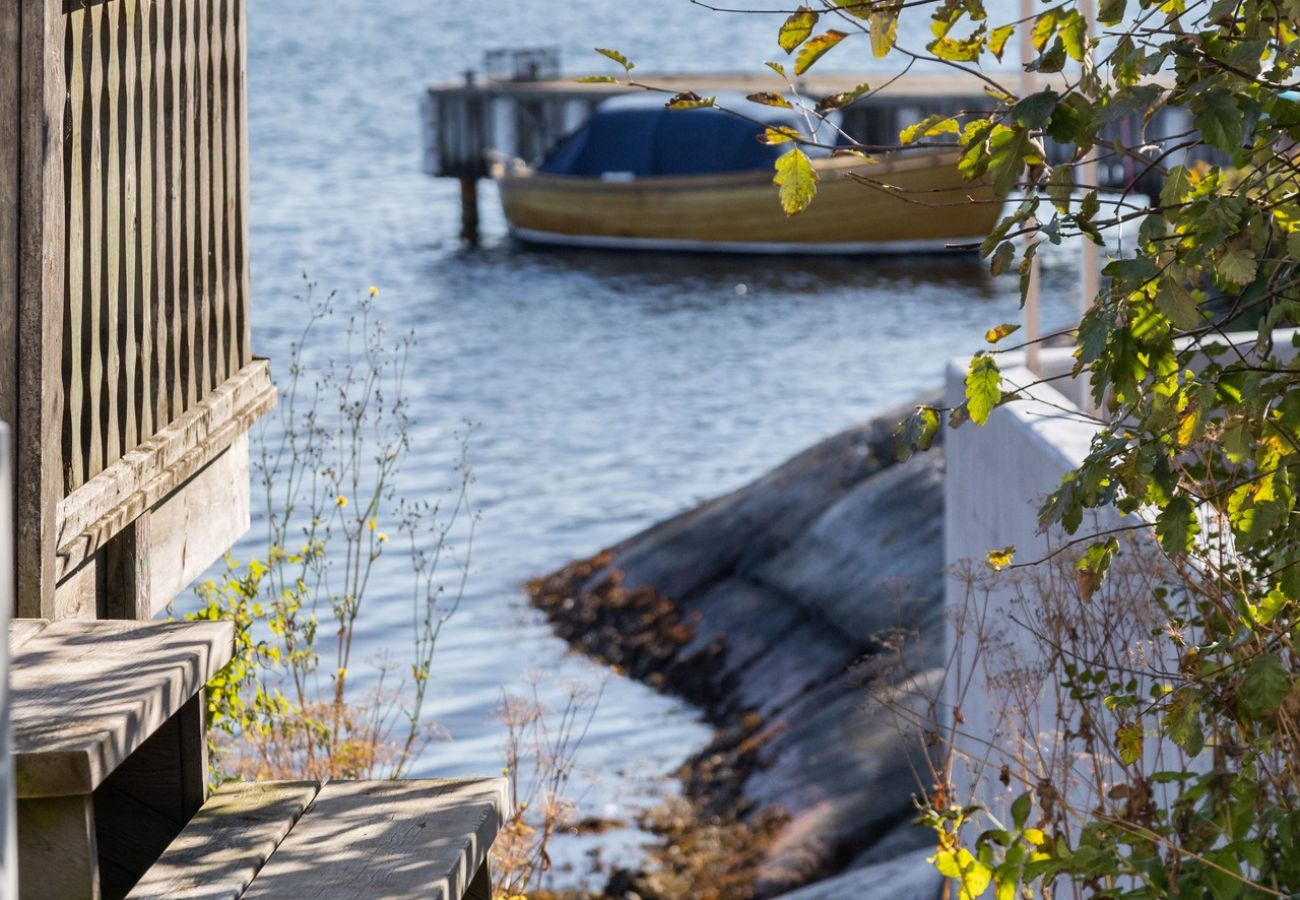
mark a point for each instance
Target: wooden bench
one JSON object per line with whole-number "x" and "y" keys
{"x": 343, "y": 841}
{"x": 109, "y": 749}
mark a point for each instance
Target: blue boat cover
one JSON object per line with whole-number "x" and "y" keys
{"x": 641, "y": 140}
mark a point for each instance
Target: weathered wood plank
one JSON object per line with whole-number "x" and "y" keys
{"x": 175, "y": 298}
{"x": 142, "y": 96}
{"x": 38, "y": 478}
{"x": 232, "y": 209}
{"x": 23, "y": 630}
{"x": 227, "y": 842}
{"x": 96, "y": 239}
{"x": 191, "y": 278}
{"x": 10, "y": 56}
{"x": 391, "y": 839}
{"x": 203, "y": 263}
{"x": 74, "y": 355}
{"x": 53, "y": 836}
{"x": 146, "y": 802}
{"x": 129, "y": 318}
{"x": 127, "y": 567}
{"x": 85, "y": 695}
{"x": 102, "y": 507}
{"x": 243, "y": 327}
{"x": 217, "y": 197}
{"x": 194, "y": 527}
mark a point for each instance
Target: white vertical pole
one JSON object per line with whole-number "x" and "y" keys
{"x": 1031, "y": 293}
{"x": 8, "y": 814}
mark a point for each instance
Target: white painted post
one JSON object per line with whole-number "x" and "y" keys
{"x": 8, "y": 830}
{"x": 1031, "y": 292}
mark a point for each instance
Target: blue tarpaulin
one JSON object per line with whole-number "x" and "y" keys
{"x": 643, "y": 139}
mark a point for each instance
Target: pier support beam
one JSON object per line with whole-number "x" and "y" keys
{"x": 469, "y": 210}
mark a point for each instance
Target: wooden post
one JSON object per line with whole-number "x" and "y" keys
{"x": 8, "y": 809}
{"x": 39, "y": 338}
{"x": 126, "y": 582}
{"x": 469, "y": 210}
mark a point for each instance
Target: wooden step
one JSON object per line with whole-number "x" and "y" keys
{"x": 360, "y": 840}
{"x": 227, "y": 842}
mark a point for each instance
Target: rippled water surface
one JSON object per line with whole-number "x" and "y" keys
{"x": 610, "y": 390}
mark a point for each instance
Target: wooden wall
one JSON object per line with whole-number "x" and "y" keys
{"x": 125, "y": 359}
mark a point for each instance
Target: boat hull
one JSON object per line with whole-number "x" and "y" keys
{"x": 740, "y": 213}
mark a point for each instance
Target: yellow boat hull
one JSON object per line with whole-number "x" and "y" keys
{"x": 933, "y": 207}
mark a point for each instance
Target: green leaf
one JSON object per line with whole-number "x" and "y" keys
{"x": 1182, "y": 722}
{"x": 1003, "y": 256}
{"x": 916, "y": 432}
{"x": 1174, "y": 301}
{"x": 815, "y": 49}
{"x": 1035, "y": 111}
{"x": 797, "y": 180}
{"x": 1044, "y": 28}
{"x": 1073, "y": 31}
{"x": 983, "y": 388}
{"x": 619, "y": 58}
{"x": 1264, "y": 686}
{"x": 1007, "y": 148}
{"x": 1176, "y": 525}
{"x": 884, "y": 31}
{"x": 1176, "y": 187}
{"x": 1111, "y": 12}
{"x": 768, "y": 98}
{"x": 796, "y": 29}
{"x": 597, "y": 79}
{"x": 1220, "y": 120}
{"x": 776, "y": 67}
{"x": 1236, "y": 265}
{"x": 1020, "y": 809}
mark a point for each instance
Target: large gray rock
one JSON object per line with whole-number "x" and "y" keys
{"x": 777, "y": 608}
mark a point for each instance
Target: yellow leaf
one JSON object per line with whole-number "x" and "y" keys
{"x": 795, "y": 29}
{"x": 778, "y": 134}
{"x": 1000, "y": 559}
{"x": 884, "y": 30}
{"x": 997, "y": 333}
{"x": 816, "y": 48}
{"x": 797, "y": 181}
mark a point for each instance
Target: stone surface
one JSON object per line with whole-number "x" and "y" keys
{"x": 907, "y": 877}
{"x": 786, "y": 609}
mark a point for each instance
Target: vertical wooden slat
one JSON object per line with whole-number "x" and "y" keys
{"x": 130, "y": 401}
{"x": 115, "y": 276}
{"x": 41, "y": 226}
{"x": 176, "y": 269}
{"x": 160, "y": 135}
{"x": 230, "y": 200}
{"x": 203, "y": 184}
{"x": 74, "y": 361}
{"x": 95, "y": 279}
{"x": 141, "y": 95}
{"x": 240, "y": 99}
{"x": 217, "y": 206}
{"x": 188, "y": 226}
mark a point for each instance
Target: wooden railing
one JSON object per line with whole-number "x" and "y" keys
{"x": 156, "y": 272}
{"x": 124, "y": 289}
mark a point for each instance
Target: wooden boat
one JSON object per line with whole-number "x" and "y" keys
{"x": 635, "y": 184}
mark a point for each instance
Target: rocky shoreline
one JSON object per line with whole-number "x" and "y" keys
{"x": 784, "y": 610}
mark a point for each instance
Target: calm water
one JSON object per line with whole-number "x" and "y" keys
{"x": 610, "y": 390}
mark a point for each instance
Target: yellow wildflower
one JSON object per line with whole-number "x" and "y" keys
{"x": 340, "y": 501}
{"x": 374, "y": 291}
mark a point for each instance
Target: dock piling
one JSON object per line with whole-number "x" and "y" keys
{"x": 469, "y": 210}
